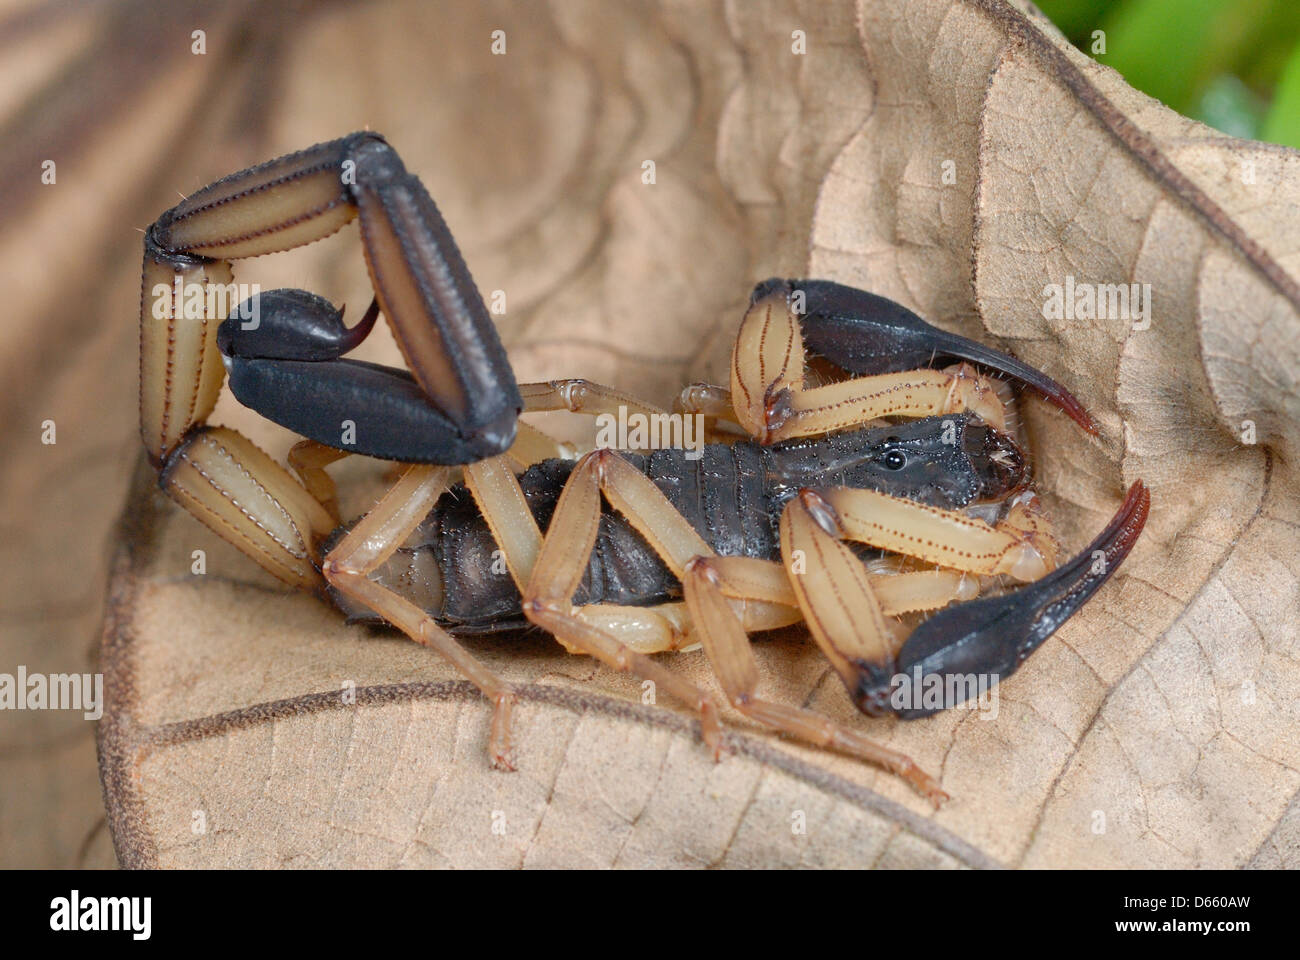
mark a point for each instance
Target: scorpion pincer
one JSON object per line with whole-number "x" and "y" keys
{"x": 888, "y": 495}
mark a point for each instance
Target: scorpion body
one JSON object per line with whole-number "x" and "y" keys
{"x": 731, "y": 493}
{"x": 618, "y": 555}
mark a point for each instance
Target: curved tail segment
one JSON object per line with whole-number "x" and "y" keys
{"x": 283, "y": 350}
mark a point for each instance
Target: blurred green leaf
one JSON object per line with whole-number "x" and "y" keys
{"x": 1264, "y": 50}
{"x": 1077, "y": 18}
{"x": 1283, "y": 122}
{"x": 1215, "y": 60}
{"x": 1173, "y": 49}
{"x": 1231, "y": 106}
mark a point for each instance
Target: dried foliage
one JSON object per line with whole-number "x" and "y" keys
{"x": 955, "y": 155}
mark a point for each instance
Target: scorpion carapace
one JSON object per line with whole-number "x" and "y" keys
{"x": 896, "y": 492}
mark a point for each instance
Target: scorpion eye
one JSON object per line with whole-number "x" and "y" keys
{"x": 894, "y": 460}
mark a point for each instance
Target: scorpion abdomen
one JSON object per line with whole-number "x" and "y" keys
{"x": 732, "y": 494}
{"x": 453, "y": 568}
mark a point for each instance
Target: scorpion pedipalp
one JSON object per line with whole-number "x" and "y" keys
{"x": 993, "y": 636}
{"x": 867, "y": 334}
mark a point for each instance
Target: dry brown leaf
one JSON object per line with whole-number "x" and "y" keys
{"x": 1157, "y": 728}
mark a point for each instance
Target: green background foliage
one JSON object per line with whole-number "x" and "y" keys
{"x": 1232, "y": 64}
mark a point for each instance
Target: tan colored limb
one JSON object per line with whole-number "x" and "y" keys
{"x": 582, "y": 396}
{"x": 752, "y": 579}
{"x": 250, "y": 500}
{"x": 920, "y": 590}
{"x": 667, "y": 627}
{"x": 644, "y": 630}
{"x": 634, "y": 495}
{"x": 180, "y": 367}
{"x": 369, "y": 544}
{"x": 713, "y": 403}
{"x": 548, "y": 594}
{"x": 732, "y": 658}
{"x": 708, "y": 399}
{"x": 950, "y": 539}
{"x": 834, "y": 592}
{"x": 422, "y": 628}
{"x": 598, "y": 400}
{"x": 533, "y": 446}
{"x": 309, "y": 460}
{"x": 278, "y": 205}
{"x": 915, "y": 393}
{"x": 659, "y": 629}
{"x": 772, "y": 401}
{"x": 501, "y": 501}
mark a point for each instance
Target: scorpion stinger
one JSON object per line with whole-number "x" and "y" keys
{"x": 283, "y": 348}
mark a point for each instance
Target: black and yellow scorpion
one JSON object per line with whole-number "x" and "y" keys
{"x": 846, "y": 502}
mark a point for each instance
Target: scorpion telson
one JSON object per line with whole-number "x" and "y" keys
{"x": 617, "y": 554}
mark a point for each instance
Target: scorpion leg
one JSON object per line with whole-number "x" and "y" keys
{"x": 766, "y": 582}
{"x": 583, "y": 396}
{"x": 502, "y": 504}
{"x": 729, "y": 652}
{"x": 250, "y": 500}
{"x": 587, "y": 397}
{"x": 830, "y": 582}
{"x": 945, "y": 537}
{"x": 867, "y": 334}
{"x": 708, "y": 399}
{"x": 533, "y": 446}
{"x": 656, "y": 629}
{"x": 369, "y": 544}
{"x": 593, "y": 630}
{"x": 559, "y": 566}
{"x": 309, "y": 460}
{"x": 557, "y": 572}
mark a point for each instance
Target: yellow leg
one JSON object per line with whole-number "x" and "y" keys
{"x": 369, "y": 544}
{"x": 732, "y": 658}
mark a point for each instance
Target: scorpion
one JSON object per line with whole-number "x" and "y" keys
{"x": 850, "y": 501}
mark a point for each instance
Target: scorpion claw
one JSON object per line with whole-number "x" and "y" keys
{"x": 867, "y": 334}
{"x": 993, "y": 636}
